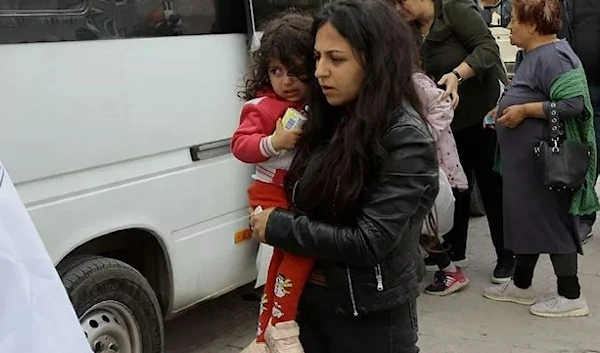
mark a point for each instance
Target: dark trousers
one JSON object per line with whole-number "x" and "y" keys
{"x": 565, "y": 268}
{"x": 476, "y": 149}
{"x": 440, "y": 256}
{"x": 324, "y": 331}
{"x": 595, "y": 95}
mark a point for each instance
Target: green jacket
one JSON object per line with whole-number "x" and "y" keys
{"x": 573, "y": 84}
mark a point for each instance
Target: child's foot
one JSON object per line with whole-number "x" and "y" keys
{"x": 445, "y": 283}
{"x": 509, "y": 292}
{"x": 284, "y": 337}
{"x": 561, "y": 307}
{"x": 256, "y": 347}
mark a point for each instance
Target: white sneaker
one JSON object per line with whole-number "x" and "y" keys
{"x": 464, "y": 263}
{"x": 560, "y": 306}
{"x": 508, "y": 292}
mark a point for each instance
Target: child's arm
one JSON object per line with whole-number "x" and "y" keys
{"x": 252, "y": 140}
{"x": 438, "y": 112}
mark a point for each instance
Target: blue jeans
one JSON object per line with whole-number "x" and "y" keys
{"x": 595, "y": 95}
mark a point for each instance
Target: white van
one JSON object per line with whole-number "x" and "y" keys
{"x": 116, "y": 118}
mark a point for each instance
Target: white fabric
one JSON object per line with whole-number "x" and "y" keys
{"x": 443, "y": 208}
{"x": 263, "y": 259}
{"x": 36, "y": 314}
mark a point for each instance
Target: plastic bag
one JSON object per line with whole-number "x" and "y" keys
{"x": 443, "y": 208}
{"x": 36, "y": 314}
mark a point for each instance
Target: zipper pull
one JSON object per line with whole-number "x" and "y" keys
{"x": 379, "y": 278}
{"x": 352, "y": 300}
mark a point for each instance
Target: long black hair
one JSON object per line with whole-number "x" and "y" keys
{"x": 352, "y": 135}
{"x": 286, "y": 37}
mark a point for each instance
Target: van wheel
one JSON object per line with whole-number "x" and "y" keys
{"x": 116, "y": 305}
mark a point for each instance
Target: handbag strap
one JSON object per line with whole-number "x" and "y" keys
{"x": 555, "y": 127}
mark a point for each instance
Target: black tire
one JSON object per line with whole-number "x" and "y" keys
{"x": 112, "y": 288}
{"x": 477, "y": 209}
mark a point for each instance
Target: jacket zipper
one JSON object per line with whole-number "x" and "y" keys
{"x": 354, "y": 310}
{"x": 379, "y": 278}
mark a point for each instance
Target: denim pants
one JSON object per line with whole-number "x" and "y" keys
{"x": 595, "y": 95}
{"x": 322, "y": 330}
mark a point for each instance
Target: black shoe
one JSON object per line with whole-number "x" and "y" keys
{"x": 505, "y": 269}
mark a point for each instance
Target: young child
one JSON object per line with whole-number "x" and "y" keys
{"x": 278, "y": 82}
{"x": 439, "y": 115}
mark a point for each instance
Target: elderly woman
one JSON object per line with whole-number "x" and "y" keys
{"x": 537, "y": 219}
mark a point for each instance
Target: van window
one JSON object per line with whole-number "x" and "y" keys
{"x": 40, "y": 5}
{"x": 265, "y": 9}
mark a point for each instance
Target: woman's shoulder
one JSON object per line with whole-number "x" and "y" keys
{"x": 460, "y": 4}
{"x": 558, "y": 53}
{"x": 553, "y": 60}
{"x": 407, "y": 122}
{"x": 455, "y": 8}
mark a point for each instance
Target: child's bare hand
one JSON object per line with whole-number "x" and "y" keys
{"x": 284, "y": 139}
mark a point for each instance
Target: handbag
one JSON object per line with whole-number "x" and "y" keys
{"x": 562, "y": 163}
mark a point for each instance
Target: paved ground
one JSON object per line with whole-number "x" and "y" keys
{"x": 462, "y": 323}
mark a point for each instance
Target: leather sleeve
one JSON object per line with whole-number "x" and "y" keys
{"x": 410, "y": 177}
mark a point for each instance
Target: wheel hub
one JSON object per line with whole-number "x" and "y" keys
{"x": 110, "y": 327}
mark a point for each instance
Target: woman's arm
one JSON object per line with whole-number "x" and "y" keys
{"x": 565, "y": 109}
{"x": 465, "y": 21}
{"x": 470, "y": 28}
{"x": 408, "y": 185}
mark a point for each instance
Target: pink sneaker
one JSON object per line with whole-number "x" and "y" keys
{"x": 445, "y": 283}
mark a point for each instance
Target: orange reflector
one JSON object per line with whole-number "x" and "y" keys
{"x": 242, "y": 235}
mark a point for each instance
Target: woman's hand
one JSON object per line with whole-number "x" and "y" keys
{"x": 451, "y": 82}
{"x": 513, "y": 116}
{"x": 258, "y": 224}
{"x": 493, "y": 114}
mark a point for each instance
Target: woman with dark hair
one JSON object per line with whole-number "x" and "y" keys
{"x": 363, "y": 180}
{"x": 549, "y": 87}
{"x": 460, "y": 53}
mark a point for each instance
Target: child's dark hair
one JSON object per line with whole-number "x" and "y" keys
{"x": 286, "y": 37}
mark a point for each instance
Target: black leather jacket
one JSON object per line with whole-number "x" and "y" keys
{"x": 376, "y": 264}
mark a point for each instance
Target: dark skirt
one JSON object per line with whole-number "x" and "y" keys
{"x": 536, "y": 219}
